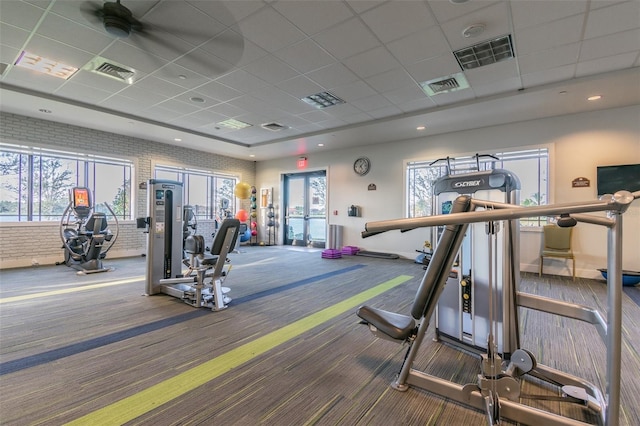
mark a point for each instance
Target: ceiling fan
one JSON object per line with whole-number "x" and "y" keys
{"x": 116, "y": 18}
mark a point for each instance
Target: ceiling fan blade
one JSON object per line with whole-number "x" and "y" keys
{"x": 92, "y": 12}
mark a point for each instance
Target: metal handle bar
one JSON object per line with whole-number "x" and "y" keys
{"x": 619, "y": 202}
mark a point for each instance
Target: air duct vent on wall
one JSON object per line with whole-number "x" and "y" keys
{"x": 111, "y": 69}
{"x": 274, "y": 127}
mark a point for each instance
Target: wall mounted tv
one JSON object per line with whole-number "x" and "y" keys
{"x": 616, "y": 178}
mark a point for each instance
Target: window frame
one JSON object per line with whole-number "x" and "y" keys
{"x": 470, "y": 162}
{"x": 84, "y": 175}
{"x": 183, "y": 175}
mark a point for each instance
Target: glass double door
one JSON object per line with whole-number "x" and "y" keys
{"x": 305, "y": 206}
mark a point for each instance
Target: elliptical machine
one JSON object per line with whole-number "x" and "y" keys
{"x": 87, "y": 238}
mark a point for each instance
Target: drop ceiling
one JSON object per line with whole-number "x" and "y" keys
{"x": 199, "y": 63}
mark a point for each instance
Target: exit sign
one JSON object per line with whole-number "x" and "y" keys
{"x": 302, "y": 162}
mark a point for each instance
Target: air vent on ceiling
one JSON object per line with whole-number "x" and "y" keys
{"x": 111, "y": 69}
{"x": 485, "y": 53}
{"x": 450, "y": 83}
{"x": 274, "y": 127}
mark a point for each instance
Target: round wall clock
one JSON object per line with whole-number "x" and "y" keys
{"x": 362, "y": 166}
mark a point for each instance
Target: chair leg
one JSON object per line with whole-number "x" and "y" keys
{"x": 540, "y": 270}
{"x": 574, "y": 268}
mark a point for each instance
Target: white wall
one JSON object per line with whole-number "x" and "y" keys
{"x": 578, "y": 143}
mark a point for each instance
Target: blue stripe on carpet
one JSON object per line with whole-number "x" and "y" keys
{"x": 65, "y": 351}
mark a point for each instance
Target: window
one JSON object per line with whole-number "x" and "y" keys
{"x": 36, "y": 182}
{"x": 530, "y": 166}
{"x": 202, "y": 190}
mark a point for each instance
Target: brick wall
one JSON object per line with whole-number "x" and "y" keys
{"x": 24, "y": 244}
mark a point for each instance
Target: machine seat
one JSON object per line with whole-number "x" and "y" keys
{"x": 396, "y": 326}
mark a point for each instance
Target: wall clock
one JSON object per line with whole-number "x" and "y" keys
{"x": 362, "y": 166}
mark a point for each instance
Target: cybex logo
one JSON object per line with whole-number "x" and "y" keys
{"x": 467, "y": 183}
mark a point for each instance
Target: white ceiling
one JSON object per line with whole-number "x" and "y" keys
{"x": 253, "y": 60}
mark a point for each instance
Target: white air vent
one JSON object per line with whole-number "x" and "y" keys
{"x": 450, "y": 83}
{"x": 111, "y": 69}
{"x": 274, "y": 127}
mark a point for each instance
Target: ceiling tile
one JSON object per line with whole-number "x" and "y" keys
{"x": 184, "y": 21}
{"x": 371, "y": 103}
{"x": 551, "y": 75}
{"x": 271, "y": 69}
{"x": 434, "y": 68}
{"x": 305, "y": 56}
{"x": 11, "y": 36}
{"x": 156, "y": 85}
{"x": 180, "y": 76}
{"x": 494, "y": 72}
{"x": 226, "y": 109}
{"x": 445, "y": 11}
{"x": 270, "y": 30}
{"x": 417, "y": 104}
{"x": 622, "y": 42}
{"x": 610, "y": 63}
{"x": 549, "y": 35}
{"x": 186, "y": 97}
{"x": 178, "y": 107}
{"x": 424, "y": 44}
{"x": 531, "y": 13}
{"x": 372, "y": 62}
{"x": 388, "y": 111}
{"x": 242, "y": 81}
{"x": 390, "y": 80}
{"x": 550, "y": 58}
{"x": 89, "y": 78}
{"x": 57, "y": 51}
{"x": 351, "y": 92}
{"x": 233, "y": 48}
{"x": 9, "y": 55}
{"x": 70, "y": 33}
{"x": 218, "y": 91}
{"x": 313, "y": 16}
{"x": 405, "y": 94}
{"x": 300, "y": 86}
{"x": 20, "y": 14}
{"x": 393, "y": 20}
{"x": 360, "y": 39}
{"x": 453, "y": 97}
{"x": 495, "y": 19}
{"x": 332, "y": 76}
{"x": 608, "y": 20}
{"x": 228, "y": 12}
{"x": 82, "y": 93}
{"x": 204, "y": 63}
{"x": 493, "y": 87}
{"x": 362, "y": 5}
{"x": 133, "y": 57}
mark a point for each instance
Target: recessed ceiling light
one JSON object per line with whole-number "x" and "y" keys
{"x": 197, "y": 100}
{"x": 182, "y": 77}
{"x": 594, "y": 98}
{"x": 46, "y": 66}
{"x": 320, "y": 144}
{"x": 177, "y": 139}
{"x": 420, "y": 128}
{"x": 252, "y": 155}
{"x": 234, "y": 124}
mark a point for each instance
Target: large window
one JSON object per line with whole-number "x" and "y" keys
{"x": 35, "y": 182}
{"x": 203, "y": 191}
{"x": 530, "y": 166}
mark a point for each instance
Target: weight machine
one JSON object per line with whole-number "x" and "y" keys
{"x": 169, "y": 241}
{"x": 497, "y": 391}
{"x": 87, "y": 238}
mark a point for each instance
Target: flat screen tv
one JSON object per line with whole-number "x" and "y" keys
{"x": 617, "y": 178}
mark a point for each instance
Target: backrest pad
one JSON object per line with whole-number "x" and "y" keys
{"x": 221, "y": 233}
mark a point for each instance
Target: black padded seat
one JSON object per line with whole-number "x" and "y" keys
{"x": 397, "y": 326}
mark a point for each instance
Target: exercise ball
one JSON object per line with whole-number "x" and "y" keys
{"x": 253, "y": 198}
{"x": 246, "y": 236}
{"x": 254, "y": 225}
{"x": 242, "y": 215}
{"x": 253, "y": 206}
{"x": 254, "y": 233}
{"x": 242, "y": 190}
{"x": 254, "y": 214}
{"x": 253, "y": 190}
